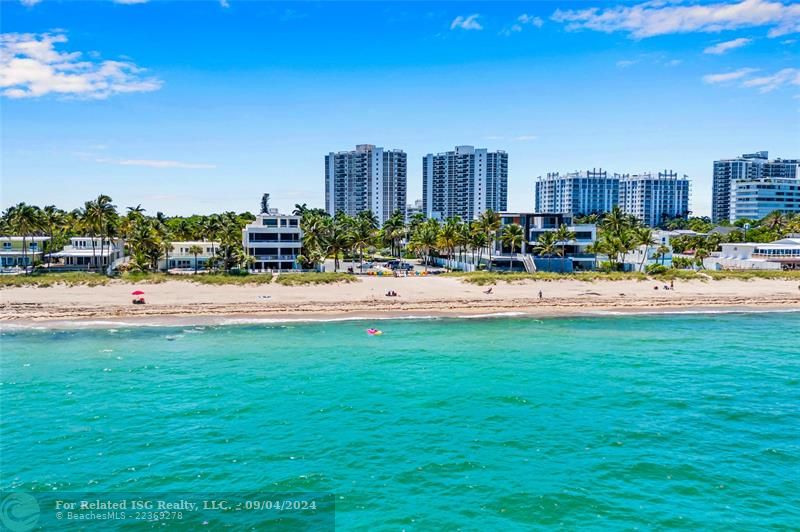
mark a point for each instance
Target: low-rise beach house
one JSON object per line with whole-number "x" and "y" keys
{"x": 274, "y": 241}
{"x": 19, "y": 252}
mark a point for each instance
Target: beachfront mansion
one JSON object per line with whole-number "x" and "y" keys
{"x": 274, "y": 240}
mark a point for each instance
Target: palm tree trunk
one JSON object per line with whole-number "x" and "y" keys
{"x": 25, "y": 252}
{"x": 641, "y": 266}
{"x": 491, "y": 245}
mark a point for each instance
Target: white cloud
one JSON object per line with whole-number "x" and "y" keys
{"x": 29, "y": 3}
{"x": 524, "y": 138}
{"x": 523, "y": 20}
{"x": 466, "y": 23}
{"x": 673, "y": 62}
{"x": 224, "y": 3}
{"x": 663, "y": 17}
{"x": 160, "y": 164}
{"x": 625, "y": 63}
{"x": 789, "y": 41}
{"x": 723, "y": 47}
{"x": 528, "y": 19}
{"x": 787, "y": 76}
{"x": 724, "y": 77}
{"x": 30, "y": 66}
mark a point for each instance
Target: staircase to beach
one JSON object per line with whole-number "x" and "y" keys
{"x": 530, "y": 266}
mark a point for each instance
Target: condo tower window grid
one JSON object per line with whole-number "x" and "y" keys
{"x": 577, "y": 193}
{"x": 464, "y": 182}
{"x": 748, "y": 167}
{"x": 652, "y": 198}
{"x": 366, "y": 179}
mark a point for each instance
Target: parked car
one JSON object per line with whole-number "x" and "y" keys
{"x": 403, "y": 266}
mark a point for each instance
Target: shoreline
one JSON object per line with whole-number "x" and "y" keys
{"x": 181, "y": 304}
{"x": 245, "y": 318}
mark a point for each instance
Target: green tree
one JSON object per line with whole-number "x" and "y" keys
{"x": 489, "y": 222}
{"x": 547, "y": 246}
{"x": 195, "y": 250}
{"x": 513, "y": 236}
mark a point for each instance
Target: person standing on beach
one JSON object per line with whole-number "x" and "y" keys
{"x": 540, "y": 294}
{"x": 672, "y": 284}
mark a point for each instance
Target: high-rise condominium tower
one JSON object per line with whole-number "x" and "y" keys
{"x": 649, "y": 197}
{"x": 748, "y": 167}
{"x": 465, "y": 182}
{"x": 367, "y": 179}
{"x": 576, "y": 193}
{"x": 652, "y": 198}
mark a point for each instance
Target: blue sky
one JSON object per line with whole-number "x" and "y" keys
{"x": 197, "y": 107}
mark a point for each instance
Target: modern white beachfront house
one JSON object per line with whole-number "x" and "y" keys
{"x": 19, "y": 252}
{"x": 182, "y": 256}
{"x": 86, "y": 253}
{"x": 534, "y": 225}
{"x": 783, "y": 254}
{"x": 274, "y": 241}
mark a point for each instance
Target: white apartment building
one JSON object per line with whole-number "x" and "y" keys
{"x": 182, "y": 258}
{"x": 780, "y": 254}
{"x": 748, "y": 167}
{"x": 274, "y": 241}
{"x": 85, "y": 252}
{"x": 577, "y": 193}
{"x": 651, "y": 198}
{"x": 414, "y": 209}
{"x": 754, "y": 199}
{"x": 464, "y": 182}
{"x": 367, "y": 179}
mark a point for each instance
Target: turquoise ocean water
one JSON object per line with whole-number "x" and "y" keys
{"x": 674, "y": 421}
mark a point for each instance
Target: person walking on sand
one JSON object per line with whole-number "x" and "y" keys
{"x": 672, "y": 284}
{"x": 540, "y": 294}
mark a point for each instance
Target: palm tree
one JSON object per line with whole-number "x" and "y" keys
{"x": 547, "y": 245}
{"x": 615, "y": 221}
{"x": 337, "y": 237}
{"x": 52, "y": 220}
{"x": 699, "y": 255}
{"x": 513, "y": 236}
{"x": 425, "y": 238}
{"x": 775, "y": 221}
{"x": 448, "y": 236}
{"x": 195, "y": 250}
{"x": 564, "y": 235}
{"x": 477, "y": 241}
{"x": 24, "y": 220}
{"x": 210, "y": 228}
{"x": 643, "y": 236}
{"x": 363, "y": 234}
{"x": 662, "y": 251}
{"x": 489, "y": 221}
{"x": 393, "y": 230}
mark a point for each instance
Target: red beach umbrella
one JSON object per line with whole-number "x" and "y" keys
{"x": 137, "y": 293}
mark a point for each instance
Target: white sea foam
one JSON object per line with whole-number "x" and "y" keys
{"x": 688, "y": 312}
{"x": 221, "y": 321}
{"x": 494, "y": 315}
{"x": 271, "y": 321}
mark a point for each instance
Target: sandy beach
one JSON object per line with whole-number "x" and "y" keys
{"x": 185, "y": 302}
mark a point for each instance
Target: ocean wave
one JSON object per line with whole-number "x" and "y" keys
{"x": 688, "y": 312}
{"x": 493, "y": 315}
